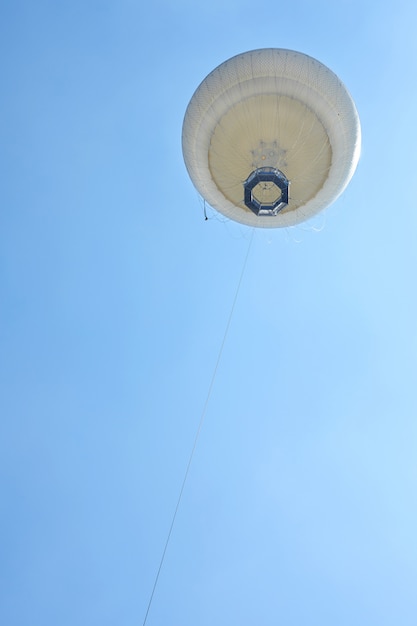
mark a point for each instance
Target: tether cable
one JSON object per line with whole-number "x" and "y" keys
{"x": 200, "y": 426}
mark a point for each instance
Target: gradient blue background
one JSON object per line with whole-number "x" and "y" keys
{"x": 300, "y": 506}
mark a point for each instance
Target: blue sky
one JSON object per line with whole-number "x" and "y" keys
{"x": 300, "y": 506}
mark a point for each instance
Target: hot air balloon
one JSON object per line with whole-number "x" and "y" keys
{"x": 271, "y": 137}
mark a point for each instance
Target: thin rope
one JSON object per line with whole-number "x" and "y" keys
{"x": 200, "y": 426}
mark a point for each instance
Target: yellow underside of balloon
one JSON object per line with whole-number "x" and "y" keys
{"x": 272, "y": 109}
{"x": 275, "y": 131}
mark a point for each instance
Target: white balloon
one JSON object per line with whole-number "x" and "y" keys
{"x": 265, "y": 117}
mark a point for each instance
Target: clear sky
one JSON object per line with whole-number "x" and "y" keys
{"x": 300, "y": 506}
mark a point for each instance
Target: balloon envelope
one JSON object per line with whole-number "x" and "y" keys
{"x": 271, "y": 137}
